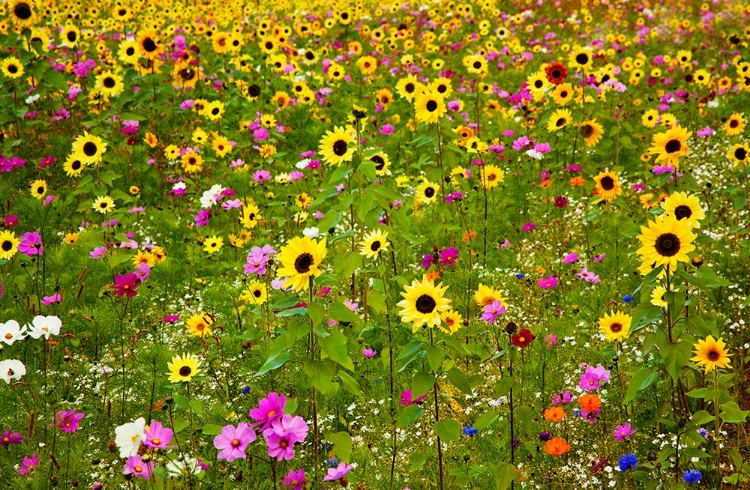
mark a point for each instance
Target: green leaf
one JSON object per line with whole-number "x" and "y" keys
{"x": 321, "y": 375}
{"x": 316, "y": 312}
{"x": 422, "y": 384}
{"x": 180, "y": 425}
{"x": 334, "y": 346}
{"x": 731, "y": 413}
{"x": 291, "y": 312}
{"x": 458, "y": 379}
{"x": 447, "y": 430}
{"x": 485, "y": 420}
{"x": 417, "y": 460}
{"x": 408, "y": 415}
{"x": 274, "y": 361}
{"x": 639, "y": 382}
{"x": 342, "y": 313}
{"x": 211, "y": 430}
{"x": 342, "y": 444}
{"x": 410, "y": 349}
{"x": 675, "y": 355}
{"x": 525, "y": 416}
{"x": 505, "y": 473}
{"x": 435, "y": 356}
{"x": 181, "y": 401}
{"x": 349, "y": 383}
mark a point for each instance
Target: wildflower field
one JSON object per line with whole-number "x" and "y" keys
{"x": 377, "y": 245}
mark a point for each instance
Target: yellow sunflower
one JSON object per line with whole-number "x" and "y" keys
{"x": 382, "y": 162}
{"x": 103, "y": 204}
{"x": 423, "y": 304}
{"x": 657, "y": 297}
{"x": 615, "y": 325}
{"x": 109, "y": 84}
{"x": 12, "y": 67}
{"x": 89, "y": 149}
{"x": 671, "y": 145}
{"x": 608, "y": 185}
{"x": 337, "y": 146}
{"x": 23, "y": 13}
{"x": 8, "y": 245}
{"x": 249, "y": 216}
{"x": 453, "y": 321}
{"x": 213, "y": 244}
{"x": 38, "y": 188}
{"x": 73, "y": 166}
{"x": 426, "y": 192}
{"x": 666, "y": 241}
{"x": 492, "y": 176}
{"x": 562, "y": 94}
{"x": 581, "y": 58}
{"x": 735, "y": 124}
{"x": 559, "y": 119}
{"x": 711, "y": 353}
{"x": 684, "y": 207}
{"x": 591, "y": 132}
{"x": 200, "y": 325}
{"x": 183, "y": 368}
{"x": 300, "y": 260}
{"x": 373, "y": 243}
{"x": 429, "y": 107}
{"x": 149, "y": 45}
{"x": 256, "y": 293}
{"x": 408, "y": 87}
{"x": 739, "y": 153}
{"x": 486, "y": 295}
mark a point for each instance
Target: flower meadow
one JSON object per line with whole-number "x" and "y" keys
{"x": 385, "y": 245}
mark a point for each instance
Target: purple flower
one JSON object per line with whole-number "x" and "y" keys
{"x": 386, "y": 129}
{"x": 171, "y": 318}
{"x": 68, "y": 421}
{"x": 339, "y": 472}
{"x": 295, "y": 480}
{"x": 201, "y": 219}
{"x": 129, "y": 127}
{"x": 31, "y": 244}
{"x": 528, "y": 226}
{"x": 137, "y": 467}
{"x": 623, "y": 431}
{"x": 261, "y": 176}
{"x": 570, "y": 258}
{"x": 30, "y": 463}
{"x": 548, "y": 282}
{"x": 157, "y": 436}
{"x": 269, "y": 410}
{"x": 562, "y": 398}
{"x": 233, "y": 441}
{"x": 492, "y": 311}
{"x": 369, "y": 353}
{"x": 283, "y": 434}
{"x": 49, "y": 300}
{"x": 428, "y": 260}
{"x": 448, "y": 257}
{"x": 407, "y": 399}
{"x": 10, "y": 437}
{"x": 126, "y": 284}
{"x": 561, "y": 202}
{"x": 705, "y": 132}
{"x": 599, "y": 257}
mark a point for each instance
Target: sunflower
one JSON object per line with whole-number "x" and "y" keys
{"x": 12, "y": 68}
{"x": 213, "y": 110}
{"x": 735, "y": 124}
{"x": 70, "y": 36}
{"x": 367, "y": 65}
{"x": 89, "y": 148}
{"x": 559, "y": 119}
{"x": 249, "y": 216}
{"x": 300, "y": 260}
{"x": 23, "y": 13}
{"x": 109, "y": 84}
{"x": 657, "y": 297}
{"x": 200, "y": 325}
{"x": 671, "y": 145}
{"x": 591, "y": 132}
{"x": 39, "y": 41}
{"x": 191, "y": 162}
{"x": 608, "y": 185}
{"x": 382, "y": 162}
{"x": 702, "y": 77}
{"x": 73, "y": 166}
{"x": 486, "y": 295}
{"x": 581, "y": 58}
{"x": 103, "y": 204}
{"x": 221, "y": 145}
{"x": 556, "y": 73}
{"x": 213, "y": 244}
{"x": 429, "y": 107}
{"x": 537, "y": 83}
{"x": 739, "y": 153}
{"x": 337, "y": 146}
{"x": 8, "y": 245}
{"x": 423, "y": 304}
{"x": 426, "y": 192}
{"x": 441, "y": 86}
{"x": 256, "y": 293}
{"x": 475, "y": 64}
{"x": 149, "y": 45}
{"x": 38, "y": 188}
{"x": 615, "y": 325}
{"x": 408, "y": 87}
{"x": 711, "y": 353}
{"x": 492, "y": 176}
{"x": 452, "y": 320}
{"x": 336, "y": 72}
{"x": 562, "y": 94}
{"x": 650, "y": 118}
{"x": 182, "y": 369}
{"x": 373, "y": 243}
{"x": 128, "y": 52}
{"x": 666, "y": 241}
{"x": 684, "y": 207}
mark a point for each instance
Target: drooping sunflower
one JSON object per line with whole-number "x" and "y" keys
{"x": 109, "y": 84}
{"x": 711, "y": 353}
{"x": 23, "y": 13}
{"x": 337, "y": 146}
{"x": 89, "y": 148}
{"x": 666, "y": 241}
{"x": 429, "y": 107}
{"x": 38, "y": 188}
{"x": 735, "y": 124}
{"x": 423, "y": 304}
{"x": 559, "y": 119}
{"x": 256, "y": 293}
{"x": 615, "y": 325}
{"x": 608, "y": 185}
{"x": 684, "y": 207}
{"x": 200, "y": 325}
{"x": 408, "y": 87}
{"x": 426, "y": 192}
{"x": 183, "y": 368}
{"x": 373, "y": 243}
{"x": 12, "y": 68}
{"x": 671, "y": 145}
{"x": 73, "y": 166}
{"x": 591, "y": 132}
{"x": 103, "y": 204}
{"x": 300, "y": 260}
{"x": 492, "y": 176}
{"x": 739, "y": 153}
{"x": 8, "y": 245}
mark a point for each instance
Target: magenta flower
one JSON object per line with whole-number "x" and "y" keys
{"x": 570, "y": 258}
{"x": 157, "y": 436}
{"x": 98, "y": 252}
{"x": 562, "y": 398}
{"x": 339, "y": 472}
{"x": 31, "y": 244}
{"x": 233, "y": 441}
{"x": 369, "y": 353}
{"x": 529, "y": 226}
{"x": 9, "y": 437}
{"x": 261, "y": 176}
{"x": 30, "y": 463}
{"x": 623, "y": 431}
{"x": 448, "y": 257}
{"x": 137, "y": 467}
{"x": 171, "y": 318}
{"x": 386, "y": 129}
{"x": 126, "y": 284}
{"x": 407, "y": 399}
{"x": 548, "y": 282}
{"x": 283, "y": 434}
{"x": 295, "y": 480}
{"x": 49, "y": 300}
{"x": 202, "y": 218}
{"x": 269, "y": 410}
{"x": 492, "y": 311}
{"x": 68, "y": 421}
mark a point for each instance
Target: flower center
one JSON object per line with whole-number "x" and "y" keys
{"x": 582, "y": 58}
{"x": 425, "y": 304}
{"x": 615, "y": 328}
{"x": 340, "y": 147}
{"x": 673, "y": 146}
{"x": 683, "y": 211}
{"x": 586, "y": 130}
{"x": 22, "y": 11}
{"x": 667, "y": 244}
{"x": 7, "y": 245}
{"x": 109, "y": 82}
{"x": 149, "y": 45}
{"x": 303, "y": 263}
{"x": 89, "y": 149}
{"x": 431, "y": 105}
{"x": 379, "y": 162}
{"x": 155, "y": 441}
{"x": 429, "y": 192}
{"x": 235, "y": 442}
{"x": 607, "y": 183}
{"x": 185, "y": 371}
{"x": 740, "y": 153}
{"x": 409, "y": 88}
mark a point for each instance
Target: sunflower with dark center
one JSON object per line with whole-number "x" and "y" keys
{"x": 8, "y": 245}
{"x": 739, "y": 152}
{"x": 337, "y": 146}
{"x": 300, "y": 261}
{"x": 22, "y": 13}
{"x": 423, "y": 304}
{"x": 183, "y": 368}
{"x": 382, "y": 162}
{"x": 89, "y": 148}
{"x": 670, "y": 145}
{"x": 429, "y": 107}
{"x": 373, "y": 243}
{"x": 666, "y": 241}
{"x": 684, "y": 207}
{"x": 556, "y": 73}
{"x": 256, "y": 293}
{"x": 581, "y": 58}
{"x": 426, "y": 192}
{"x": 607, "y": 186}
{"x": 591, "y": 132}
{"x": 615, "y": 325}
{"x": 711, "y": 354}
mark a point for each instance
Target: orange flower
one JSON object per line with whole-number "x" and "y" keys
{"x": 554, "y": 414}
{"x": 576, "y": 181}
{"x": 556, "y": 446}
{"x": 590, "y": 403}
{"x": 546, "y": 183}
{"x": 468, "y": 236}
{"x": 431, "y": 276}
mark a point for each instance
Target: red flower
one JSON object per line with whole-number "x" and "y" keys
{"x": 556, "y": 73}
{"x": 523, "y": 338}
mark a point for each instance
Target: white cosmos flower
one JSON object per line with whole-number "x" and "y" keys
{"x": 208, "y": 199}
{"x": 11, "y": 369}
{"x": 11, "y": 331}
{"x": 128, "y": 437}
{"x": 44, "y": 326}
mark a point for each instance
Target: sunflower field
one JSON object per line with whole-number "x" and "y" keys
{"x": 490, "y": 244}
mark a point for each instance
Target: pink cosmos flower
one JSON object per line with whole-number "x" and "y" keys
{"x": 492, "y": 311}
{"x": 30, "y": 463}
{"x": 570, "y": 258}
{"x": 548, "y": 282}
{"x": 126, "y": 284}
{"x": 50, "y": 300}
{"x": 407, "y": 399}
{"x": 157, "y": 436}
{"x": 386, "y": 129}
{"x": 9, "y": 437}
{"x": 339, "y": 472}
{"x": 68, "y": 421}
{"x": 233, "y": 441}
{"x": 623, "y": 431}
{"x": 369, "y": 353}
{"x": 137, "y": 467}
{"x": 31, "y": 244}
{"x": 269, "y": 410}
{"x": 283, "y": 434}
{"x": 295, "y": 480}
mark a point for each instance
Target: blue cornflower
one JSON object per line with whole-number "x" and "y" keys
{"x": 332, "y": 462}
{"x": 520, "y": 275}
{"x": 245, "y": 390}
{"x": 627, "y": 298}
{"x": 628, "y": 462}
{"x": 470, "y": 431}
{"x": 692, "y": 477}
